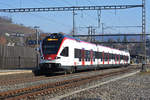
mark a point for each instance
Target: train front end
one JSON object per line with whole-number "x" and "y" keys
{"x": 49, "y": 49}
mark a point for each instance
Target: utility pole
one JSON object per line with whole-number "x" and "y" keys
{"x": 99, "y": 17}
{"x": 73, "y": 29}
{"x": 37, "y": 50}
{"x": 37, "y": 35}
{"x": 94, "y": 31}
{"x": 102, "y": 32}
{"x": 91, "y": 33}
{"x": 144, "y": 28}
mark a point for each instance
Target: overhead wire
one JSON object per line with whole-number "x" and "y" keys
{"x": 49, "y": 19}
{"x": 39, "y": 2}
{"x": 54, "y": 20}
{"x": 43, "y": 17}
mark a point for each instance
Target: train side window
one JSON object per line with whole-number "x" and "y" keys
{"x": 77, "y": 53}
{"x": 86, "y": 55}
{"x": 109, "y": 56}
{"x": 101, "y": 56}
{"x": 112, "y": 57}
{"x": 80, "y": 59}
{"x": 94, "y": 55}
{"x": 117, "y": 57}
{"x": 89, "y": 56}
{"x": 106, "y": 56}
{"x": 120, "y": 57}
{"x": 127, "y": 58}
{"x": 65, "y": 52}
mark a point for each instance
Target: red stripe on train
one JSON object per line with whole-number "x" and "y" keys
{"x": 91, "y": 56}
{"x": 103, "y": 57}
{"x": 108, "y": 58}
{"x": 82, "y": 53}
{"x": 115, "y": 59}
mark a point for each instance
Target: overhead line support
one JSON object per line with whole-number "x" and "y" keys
{"x": 144, "y": 29}
{"x": 74, "y": 8}
{"x": 110, "y": 35}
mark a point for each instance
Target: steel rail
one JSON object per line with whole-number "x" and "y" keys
{"x": 44, "y": 89}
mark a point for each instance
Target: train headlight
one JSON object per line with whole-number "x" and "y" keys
{"x": 42, "y": 57}
{"x": 49, "y": 58}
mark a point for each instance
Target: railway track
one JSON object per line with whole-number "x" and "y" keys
{"x": 21, "y": 80}
{"x": 52, "y": 88}
{"x": 24, "y": 78}
{"x": 30, "y": 78}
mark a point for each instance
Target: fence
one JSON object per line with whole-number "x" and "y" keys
{"x": 17, "y": 57}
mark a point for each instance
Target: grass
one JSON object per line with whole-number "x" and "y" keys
{"x": 147, "y": 71}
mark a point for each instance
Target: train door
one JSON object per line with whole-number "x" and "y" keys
{"x": 108, "y": 57}
{"x": 91, "y": 57}
{"x": 115, "y": 59}
{"x": 83, "y": 57}
{"x": 103, "y": 57}
{"x": 124, "y": 59}
{"x": 119, "y": 58}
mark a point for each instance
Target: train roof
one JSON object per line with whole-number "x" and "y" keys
{"x": 60, "y": 35}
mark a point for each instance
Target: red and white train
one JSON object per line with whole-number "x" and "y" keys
{"x": 62, "y": 52}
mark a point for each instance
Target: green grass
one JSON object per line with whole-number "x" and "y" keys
{"x": 145, "y": 72}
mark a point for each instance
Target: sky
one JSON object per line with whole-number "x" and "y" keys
{"x": 62, "y": 21}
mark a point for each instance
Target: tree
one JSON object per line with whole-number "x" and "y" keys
{"x": 125, "y": 39}
{"x": 118, "y": 39}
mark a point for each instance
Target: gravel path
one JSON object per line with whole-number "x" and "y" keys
{"x": 136, "y": 87}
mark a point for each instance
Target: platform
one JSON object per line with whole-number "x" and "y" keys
{"x": 16, "y": 71}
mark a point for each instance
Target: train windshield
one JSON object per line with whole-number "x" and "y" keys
{"x": 51, "y": 44}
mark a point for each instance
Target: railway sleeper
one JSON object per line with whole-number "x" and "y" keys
{"x": 64, "y": 85}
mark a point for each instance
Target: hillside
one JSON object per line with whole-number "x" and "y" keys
{"x": 7, "y": 26}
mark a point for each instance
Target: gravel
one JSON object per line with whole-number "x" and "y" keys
{"x": 51, "y": 80}
{"x": 136, "y": 87}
